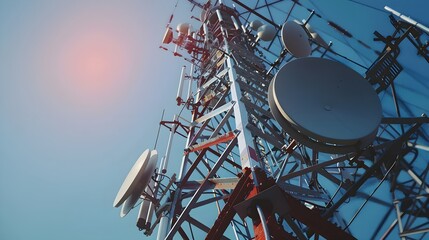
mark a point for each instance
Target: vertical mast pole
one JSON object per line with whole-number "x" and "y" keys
{"x": 248, "y": 156}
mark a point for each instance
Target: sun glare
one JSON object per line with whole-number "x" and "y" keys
{"x": 93, "y": 61}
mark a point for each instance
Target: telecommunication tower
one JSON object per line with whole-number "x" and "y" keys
{"x": 284, "y": 138}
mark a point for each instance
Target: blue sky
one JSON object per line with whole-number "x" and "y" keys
{"x": 67, "y": 141}
{"x": 70, "y": 128}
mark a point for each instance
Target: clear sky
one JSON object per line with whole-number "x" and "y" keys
{"x": 82, "y": 88}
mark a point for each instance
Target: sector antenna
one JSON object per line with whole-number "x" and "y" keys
{"x": 288, "y": 136}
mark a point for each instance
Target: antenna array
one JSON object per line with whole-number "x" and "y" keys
{"x": 283, "y": 152}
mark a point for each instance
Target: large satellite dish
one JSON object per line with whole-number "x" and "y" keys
{"x": 331, "y": 105}
{"x": 138, "y": 178}
{"x": 295, "y": 39}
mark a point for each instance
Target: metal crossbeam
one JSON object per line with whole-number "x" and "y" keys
{"x": 185, "y": 213}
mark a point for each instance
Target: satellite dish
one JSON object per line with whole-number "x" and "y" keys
{"x": 131, "y": 201}
{"x": 138, "y": 177}
{"x": 183, "y": 28}
{"x": 266, "y": 32}
{"x": 129, "y": 204}
{"x": 331, "y": 104}
{"x": 295, "y": 39}
{"x": 255, "y": 25}
{"x": 168, "y": 36}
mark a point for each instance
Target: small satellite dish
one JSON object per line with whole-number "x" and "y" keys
{"x": 295, "y": 39}
{"x": 331, "y": 104}
{"x": 183, "y": 28}
{"x": 266, "y": 32}
{"x": 138, "y": 177}
{"x": 129, "y": 204}
{"x": 255, "y": 25}
{"x": 168, "y": 36}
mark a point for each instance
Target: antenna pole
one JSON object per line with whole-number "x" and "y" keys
{"x": 191, "y": 78}
{"x": 407, "y": 19}
{"x": 164, "y": 163}
{"x": 180, "y": 88}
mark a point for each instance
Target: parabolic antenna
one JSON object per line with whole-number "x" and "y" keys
{"x": 255, "y": 25}
{"x": 131, "y": 201}
{"x": 266, "y": 32}
{"x": 168, "y": 36}
{"x": 323, "y": 100}
{"x": 129, "y": 204}
{"x": 295, "y": 39}
{"x": 138, "y": 177}
{"x": 183, "y": 28}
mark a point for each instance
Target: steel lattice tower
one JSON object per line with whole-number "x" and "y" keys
{"x": 244, "y": 176}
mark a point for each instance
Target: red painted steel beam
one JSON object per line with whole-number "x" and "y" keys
{"x": 244, "y": 186}
{"x": 210, "y": 142}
